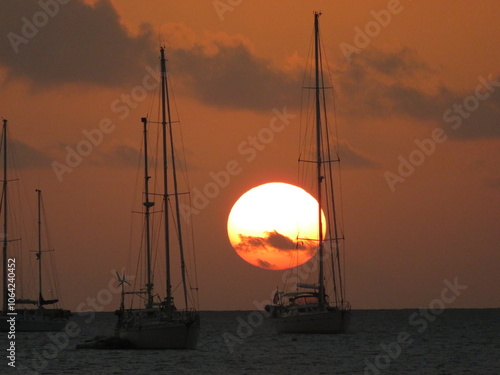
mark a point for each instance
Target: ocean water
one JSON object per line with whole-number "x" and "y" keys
{"x": 453, "y": 342}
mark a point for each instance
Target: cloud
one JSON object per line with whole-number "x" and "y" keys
{"x": 231, "y": 76}
{"x": 73, "y": 43}
{"x": 395, "y": 83}
{"x": 225, "y": 71}
{"x": 27, "y": 157}
{"x": 267, "y": 265}
{"x": 272, "y": 241}
{"x": 82, "y": 43}
{"x": 281, "y": 242}
{"x": 353, "y": 158}
{"x": 404, "y": 61}
{"x": 118, "y": 156}
{"x": 493, "y": 182}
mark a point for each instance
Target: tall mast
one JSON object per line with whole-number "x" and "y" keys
{"x": 5, "y": 240}
{"x": 39, "y": 252}
{"x": 318, "y": 157}
{"x": 147, "y": 205}
{"x": 165, "y": 107}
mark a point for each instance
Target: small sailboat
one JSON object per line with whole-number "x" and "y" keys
{"x": 37, "y": 319}
{"x": 310, "y": 308}
{"x": 160, "y": 324}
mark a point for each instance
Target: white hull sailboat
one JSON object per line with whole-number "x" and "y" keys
{"x": 310, "y": 308}
{"x": 39, "y": 319}
{"x": 160, "y": 325}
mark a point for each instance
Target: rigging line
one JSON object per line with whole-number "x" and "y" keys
{"x": 17, "y": 218}
{"x": 155, "y": 243}
{"x": 154, "y": 95}
{"x": 156, "y": 222}
{"x": 332, "y": 193}
{"x": 139, "y": 264}
{"x": 304, "y": 120}
{"x": 337, "y": 144}
{"x": 184, "y": 166}
{"x": 159, "y": 237}
{"x": 327, "y": 172}
{"x": 54, "y": 279}
{"x": 20, "y": 190}
{"x": 154, "y": 232}
{"x": 195, "y": 267}
{"x": 330, "y": 199}
{"x": 339, "y": 188}
{"x": 44, "y": 221}
{"x": 177, "y": 211}
{"x": 181, "y": 160}
{"x": 154, "y": 160}
{"x": 134, "y": 200}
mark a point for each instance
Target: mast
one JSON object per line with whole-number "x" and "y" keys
{"x": 318, "y": 157}
{"x": 39, "y": 252}
{"x": 4, "y": 253}
{"x": 147, "y": 205}
{"x": 165, "y": 105}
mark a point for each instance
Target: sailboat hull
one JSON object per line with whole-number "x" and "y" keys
{"x": 162, "y": 334}
{"x": 334, "y": 321}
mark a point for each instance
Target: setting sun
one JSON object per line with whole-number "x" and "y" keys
{"x": 274, "y": 226}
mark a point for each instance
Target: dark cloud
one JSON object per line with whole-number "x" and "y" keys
{"x": 82, "y": 43}
{"x": 74, "y": 42}
{"x": 493, "y": 182}
{"x": 272, "y": 241}
{"x": 352, "y": 158}
{"x": 404, "y": 61}
{"x": 397, "y": 83}
{"x": 267, "y": 265}
{"x": 378, "y": 83}
{"x": 119, "y": 156}
{"x": 27, "y": 157}
{"x": 234, "y": 77}
{"x": 281, "y": 242}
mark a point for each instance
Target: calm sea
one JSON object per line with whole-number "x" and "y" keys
{"x": 243, "y": 342}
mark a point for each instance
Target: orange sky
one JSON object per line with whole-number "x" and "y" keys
{"x": 230, "y": 69}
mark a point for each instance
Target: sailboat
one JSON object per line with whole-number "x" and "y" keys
{"x": 37, "y": 319}
{"x": 160, "y": 324}
{"x": 309, "y": 308}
